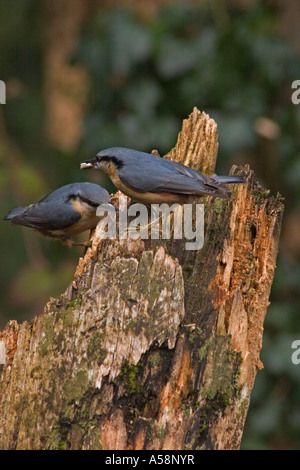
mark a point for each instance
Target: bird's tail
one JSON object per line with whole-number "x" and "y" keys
{"x": 15, "y": 212}
{"x": 229, "y": 179}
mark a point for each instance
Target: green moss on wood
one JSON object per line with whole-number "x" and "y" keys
{"x": 129, "y": 375}
{"x": 95, "y": 352}
{"x": 48, "y": 335}
{"x": 75, "y": 387}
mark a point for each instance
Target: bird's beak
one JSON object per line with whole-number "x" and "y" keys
{"x": 86, "y": 164}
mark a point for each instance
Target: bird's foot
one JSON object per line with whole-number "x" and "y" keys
{"x": 69, "y": 243}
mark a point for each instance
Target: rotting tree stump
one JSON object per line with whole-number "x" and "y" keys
{"x": 152, "y": 346}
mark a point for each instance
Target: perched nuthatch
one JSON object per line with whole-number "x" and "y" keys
{"x": 150, "y": 179}
{"x": 63, "y": 213}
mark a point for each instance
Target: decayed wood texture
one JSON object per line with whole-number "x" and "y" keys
{"x": 152, "y": 346}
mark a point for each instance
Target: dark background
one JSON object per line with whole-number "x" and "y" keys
{"x": 83, "y": 75}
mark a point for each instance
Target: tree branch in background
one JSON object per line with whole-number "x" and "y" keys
{"x": 65, "y": 85}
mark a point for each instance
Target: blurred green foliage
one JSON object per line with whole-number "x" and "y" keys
{"x": 146, "y": 75}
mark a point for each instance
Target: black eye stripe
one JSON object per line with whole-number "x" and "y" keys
{"x": 83, "y": 199}
{"x": 110, "y": 158}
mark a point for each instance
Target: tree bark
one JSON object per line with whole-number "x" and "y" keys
{"x": 152, "y": 346}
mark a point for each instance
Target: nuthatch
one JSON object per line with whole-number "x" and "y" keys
{"x": 150, "y": 179}
{"x": 63, "y": 213}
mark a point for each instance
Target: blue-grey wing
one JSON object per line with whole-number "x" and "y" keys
{"x": 48, "y": 216}
{"x": 56, "y": 210}
{"x": 161, "y": 175}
